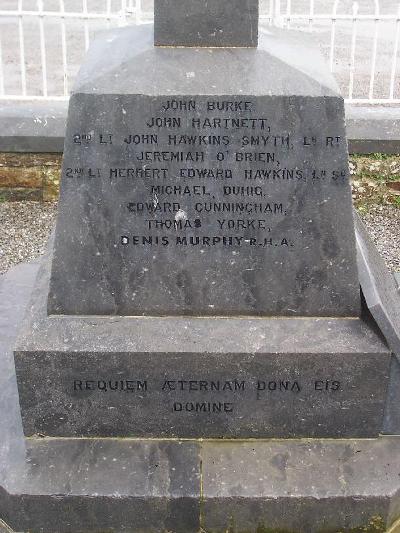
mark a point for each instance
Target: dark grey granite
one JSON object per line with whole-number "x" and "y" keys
{"x": 391, "y": 425}
{"x": 15, "y": 290}
{"x": 199, "y": 377}
{"x": 206, "y": 23}
{"x": 381, "y": 292}
{"x": 97, "y": 486}
{"x": 137, "y": 486}
{"x": 140, "y": 233}
{"x": 188, "y": 377}
{"x": 301, "y": 487}
{"x": 379, "y": 288}
{"x": 59, "y": 486}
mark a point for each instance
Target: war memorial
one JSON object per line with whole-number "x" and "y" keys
{"x": 211, "y": 343}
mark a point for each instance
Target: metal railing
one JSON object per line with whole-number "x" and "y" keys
{"x": 362, "y": 46}
{"x": 377, "y": 22}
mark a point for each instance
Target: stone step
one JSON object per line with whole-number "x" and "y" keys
{"x": 301, "y": 486}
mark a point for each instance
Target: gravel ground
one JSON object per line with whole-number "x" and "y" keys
{"x": 383, "y": 223}
{"x": 25, "y": 227}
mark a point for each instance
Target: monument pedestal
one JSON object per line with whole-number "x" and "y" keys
{"x": 60, "y": 485}
{"x": 204, "y": 182}
{"x": 195, "y": 359}
{"x": 198, "y": 377}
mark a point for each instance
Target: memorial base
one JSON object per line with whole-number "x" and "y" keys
{"x": 184, "y": 486}
{"x": 152, "y": 486}
{"x": 198, "y": 377}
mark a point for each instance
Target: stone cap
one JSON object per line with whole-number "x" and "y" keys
{"x": 206, "y": 23}
{"x": 283, "y": 64}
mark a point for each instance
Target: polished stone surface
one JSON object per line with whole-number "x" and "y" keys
{"x": 199, "y": 377}
{"x": 181, "y": 197}
{"x": 206, "y": 22}
{"x": 379, "y": 288}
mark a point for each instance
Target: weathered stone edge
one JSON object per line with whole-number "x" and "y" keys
{"x": 30, "y": 127}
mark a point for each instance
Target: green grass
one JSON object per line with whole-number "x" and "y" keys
{"x": 380, "y": 156}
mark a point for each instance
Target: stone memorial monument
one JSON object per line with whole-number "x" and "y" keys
{"x": 197, "y": 354}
